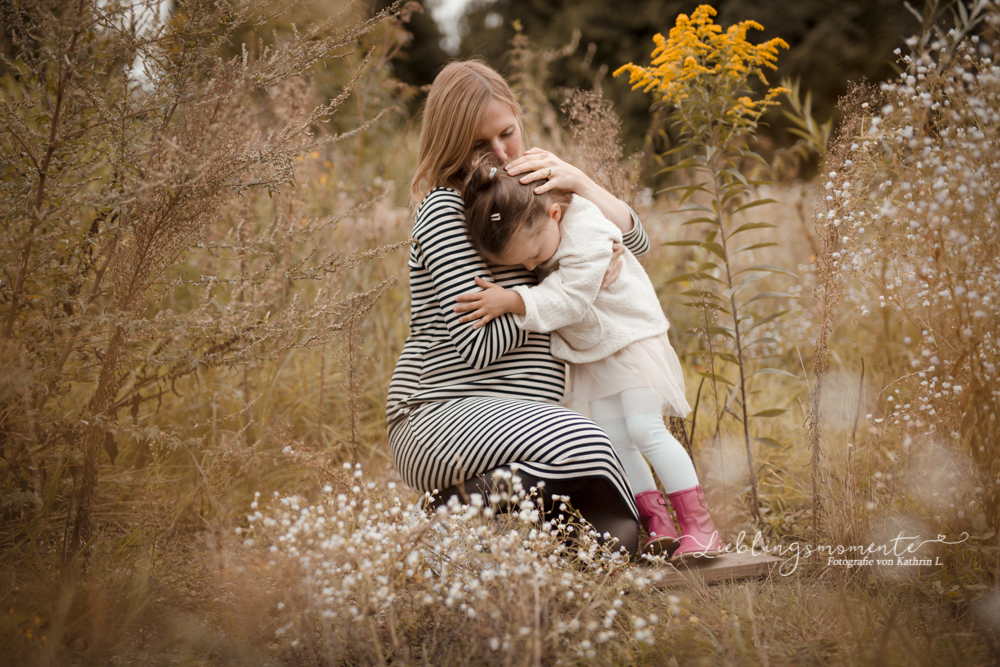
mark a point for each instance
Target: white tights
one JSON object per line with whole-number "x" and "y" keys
{"x": 634, "y": 422}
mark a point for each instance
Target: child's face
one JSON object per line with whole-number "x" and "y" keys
{"x": 533, "y": 244}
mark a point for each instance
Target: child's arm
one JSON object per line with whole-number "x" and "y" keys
{"x": 489, "y": 304}
{"x": 566, "y": 294}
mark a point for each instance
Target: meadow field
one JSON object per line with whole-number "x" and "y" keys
{"x": 204, "y": 292}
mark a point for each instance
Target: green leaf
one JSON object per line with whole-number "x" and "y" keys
{"x": 963, "y": 14}
{"x": 686, "y": 163}
{"x": 752, "y": 278}
{"x": 678, "y": 188}
{"x": 682, "y": 243}
{"x": 697, "y": 275}
{"x": 675, "y": 149}
{"x": 708, "y": 305}
{"x": 715, "y": 376}
{"x": 751, "y": 225}
{"x": 733, "y": 398}
{"x": 774, "y": 371}
{"x": 689, "y": 193}
{"x": 715, "y": 249}
{"x": 753, "y": 156}
{"x": 693, "y": 207}
{"x": 773, "y": 412}
{"x": 770, "y": 268}
{"x": 755, "y": 246}
{"x": 767, "y": 319}
{"x": 770, "y": 442}
{"x": 756, "y": 202}
{"x": 733, "y": 188}
{"x": 723, "y": 331}
{"x": 700, "y": 294}
{"x": 729, "y": 292}
{"x": 769, "y": 295}
{"x": 802, "y": 134}
{"x": 731, "y": 358}
{"x": 765, "y": 339}
{"x": 695, "y": 221}
{"x": 736, "y": 174}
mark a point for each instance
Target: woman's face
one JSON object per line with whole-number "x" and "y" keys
{"x": 498, "y": 133}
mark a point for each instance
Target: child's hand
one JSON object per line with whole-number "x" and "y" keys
{"x": 489, "y": 304}
{"x": 615, "y": 265}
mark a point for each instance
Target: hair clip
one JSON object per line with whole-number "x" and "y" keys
{"x": 496, "y": 216}
{"x": 493, "y": 172}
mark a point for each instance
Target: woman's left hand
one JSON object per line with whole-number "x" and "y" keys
{"x": 547, "y": 171}
{"x": 540, "y": 165}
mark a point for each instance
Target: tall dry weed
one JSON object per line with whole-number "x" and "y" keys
{"x": 128, "y": 138}
{"x": 911, "y": 218}
{"x": 702, "y": 75}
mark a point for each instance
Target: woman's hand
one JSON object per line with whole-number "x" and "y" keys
{"x": 540, "y": 165}
{"x": 489, "y": 304}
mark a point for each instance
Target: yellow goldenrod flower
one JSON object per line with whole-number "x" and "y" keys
{"x": 698, "y": 56}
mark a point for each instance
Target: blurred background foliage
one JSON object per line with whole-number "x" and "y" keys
{"x": 830, "y": 42}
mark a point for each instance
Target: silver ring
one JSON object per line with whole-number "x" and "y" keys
{"x": 549, "y": 174}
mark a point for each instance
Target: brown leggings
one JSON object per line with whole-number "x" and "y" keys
{"x": 596, "y": 499}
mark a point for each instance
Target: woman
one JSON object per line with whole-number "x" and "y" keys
{"x": 466, "y": 403}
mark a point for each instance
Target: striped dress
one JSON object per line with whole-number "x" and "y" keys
{"x": 464, "y": 401}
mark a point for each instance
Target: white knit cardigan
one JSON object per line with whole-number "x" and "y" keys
{"x": 590, "y": 323}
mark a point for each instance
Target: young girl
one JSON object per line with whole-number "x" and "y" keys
{"x": 615, "y": 339}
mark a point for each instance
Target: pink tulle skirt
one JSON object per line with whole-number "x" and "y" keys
{"x": 650, "y": 362}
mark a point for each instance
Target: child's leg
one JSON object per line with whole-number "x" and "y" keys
{"x": 676, "y": 472}
{"x": 610, "y": 416}
{"x": 650, "y": 436}
{"x": 663, "y": 538}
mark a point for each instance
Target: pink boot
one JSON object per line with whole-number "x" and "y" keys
{"x": 699, "y": 538}
{"x": 663, "y": 537}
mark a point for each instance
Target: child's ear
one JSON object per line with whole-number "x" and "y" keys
{"x": 555, "y": 211}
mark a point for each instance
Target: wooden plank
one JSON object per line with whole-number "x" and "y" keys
{"x": 727, "y": 567}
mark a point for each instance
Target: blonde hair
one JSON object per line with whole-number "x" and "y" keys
{"x": 498, "y": 205}
{"x": 455, "y": 107}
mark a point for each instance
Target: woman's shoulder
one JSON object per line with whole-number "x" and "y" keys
{"x": 440, "y": 197}
{"x": 441, "y": 210}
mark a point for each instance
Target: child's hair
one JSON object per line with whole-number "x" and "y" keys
{"x": 498, "y": 205}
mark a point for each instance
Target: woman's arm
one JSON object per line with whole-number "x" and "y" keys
{"x": 636, "y": 240}
{"x": 453, "y": 264}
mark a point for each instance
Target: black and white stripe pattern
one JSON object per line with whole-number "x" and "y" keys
{"x": 443, "y": 444}
{"x": 463, "y": 401}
